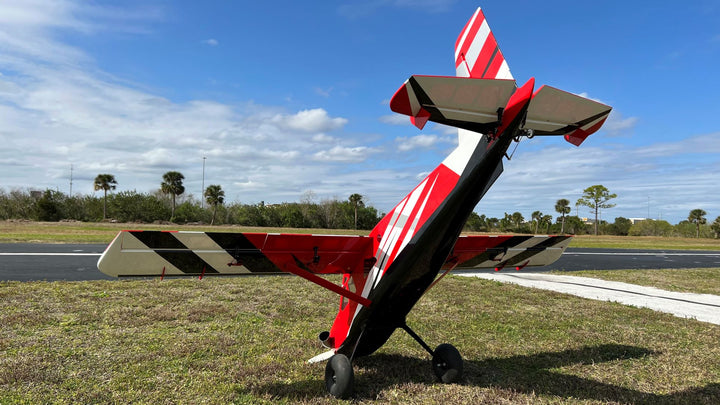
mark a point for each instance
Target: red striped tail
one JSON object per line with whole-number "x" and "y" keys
{"x": 477, "y": 54}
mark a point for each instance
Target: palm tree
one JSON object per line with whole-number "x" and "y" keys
{"x": 715, "y": 226}
{"x": 105, "y": 182}
{"x": 547, "y": 220}
{"x": 518, "y": 219}
{"x": 172, "y": 184}
{"x": 214, "y": 195}
{"x": 356, "y": 201}
{"x": 536, "y": 217}
{"x": 562, "y": 207}
{"x": 697, "y": 216}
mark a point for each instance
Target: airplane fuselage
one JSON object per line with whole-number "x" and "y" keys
{"x": 418, "y": 264}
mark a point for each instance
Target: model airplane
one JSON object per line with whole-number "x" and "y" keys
{"x": 385, "y": 274}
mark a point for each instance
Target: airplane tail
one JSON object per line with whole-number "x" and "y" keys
{"x": 477, "y": 54}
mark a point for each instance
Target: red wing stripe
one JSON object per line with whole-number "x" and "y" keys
{"x": 484, "y": 59}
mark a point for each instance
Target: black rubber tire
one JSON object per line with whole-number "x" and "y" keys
{"x": 447, "y": 363}
{"x": 339, "y": 376}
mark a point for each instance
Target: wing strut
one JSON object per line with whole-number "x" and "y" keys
{"x": 329, "y": 285}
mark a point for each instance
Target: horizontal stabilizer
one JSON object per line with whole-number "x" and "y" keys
{"x": 556, "y": 112}
{"x": 477, "y": 105}
{"x": 456, "y": 101}
{"x": 160, "y": 253}
{"x": 518, "y": 251}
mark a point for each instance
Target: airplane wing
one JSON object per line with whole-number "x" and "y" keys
{"x": 483, "y": 252}
{"x": 161, "y": 253}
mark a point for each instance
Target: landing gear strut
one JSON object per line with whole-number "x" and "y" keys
{"x": 447, "y": 364}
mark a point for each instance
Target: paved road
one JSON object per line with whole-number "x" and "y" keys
{"x": 29, "y": 261}
{"x": 51, "y": 262}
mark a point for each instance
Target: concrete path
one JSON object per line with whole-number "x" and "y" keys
{"x": 703, "y": 307}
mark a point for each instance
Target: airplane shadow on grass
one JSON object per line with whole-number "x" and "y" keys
{"x": 521, "y": 374}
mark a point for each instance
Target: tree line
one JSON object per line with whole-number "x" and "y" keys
{"x": 168, "y": 204}
{"x": 597, "y": 198}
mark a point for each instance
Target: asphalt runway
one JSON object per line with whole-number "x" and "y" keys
{"x": 77, "y": 262}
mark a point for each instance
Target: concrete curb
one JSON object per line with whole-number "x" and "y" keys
{"x": 702, "y": 307}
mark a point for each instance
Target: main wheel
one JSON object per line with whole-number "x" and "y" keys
{"x": 447, "y": 363}
{"x": 339, "y": 376}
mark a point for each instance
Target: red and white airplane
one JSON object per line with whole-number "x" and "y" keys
{"x": 385, "y": 273}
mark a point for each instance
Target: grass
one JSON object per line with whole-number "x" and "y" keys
{"x": 644, "y": 242}
{"x": 244, "y": 340}
{"x": 699, "y": 281}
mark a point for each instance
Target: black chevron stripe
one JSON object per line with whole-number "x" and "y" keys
{"x": 493, "y": 252}
{"x": 244, "y": 252}
{"x": 167, "y": 246}
{"x": 534, "y": 250}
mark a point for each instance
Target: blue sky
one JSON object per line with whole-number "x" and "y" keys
{"x": 289, "y": 100}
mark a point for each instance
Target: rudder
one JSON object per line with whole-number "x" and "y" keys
{"x": 477, "y": 54}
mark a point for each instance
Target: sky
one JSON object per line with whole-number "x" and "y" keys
{"x": 284, "y": 101}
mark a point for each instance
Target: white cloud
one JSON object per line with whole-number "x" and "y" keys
{"x": 211, "y": 42}
{"x": 395, "y": 119}
{"x": 421, "y": 141}
{"x": 617, "y": 124}
{"x": 322, "y": 138}
{"x": 315, "y": 120}
{"x": 344, "y": 154}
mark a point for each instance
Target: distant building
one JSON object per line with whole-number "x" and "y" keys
{"x": 636, "y": 220}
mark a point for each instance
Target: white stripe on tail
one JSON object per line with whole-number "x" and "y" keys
{"x": 477, "y": 54}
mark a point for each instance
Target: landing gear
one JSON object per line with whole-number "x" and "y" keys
{"x": 339, "y": 376}
{"x": 447, "y": 364}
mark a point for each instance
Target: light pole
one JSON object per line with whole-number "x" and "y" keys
{"x": 202, "y": 192}
{"x": 71, "y": 178}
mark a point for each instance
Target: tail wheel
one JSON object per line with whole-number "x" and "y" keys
{"x": 339, "y": 376}
{"x": 447, "y": 363}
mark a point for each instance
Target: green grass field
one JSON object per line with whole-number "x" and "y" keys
{"x": 245, "y": 340}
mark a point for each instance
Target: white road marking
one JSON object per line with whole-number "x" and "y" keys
{"x": 50, "y": 254}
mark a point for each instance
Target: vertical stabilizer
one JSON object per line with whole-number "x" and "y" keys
{"x": 477, "y": 54}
